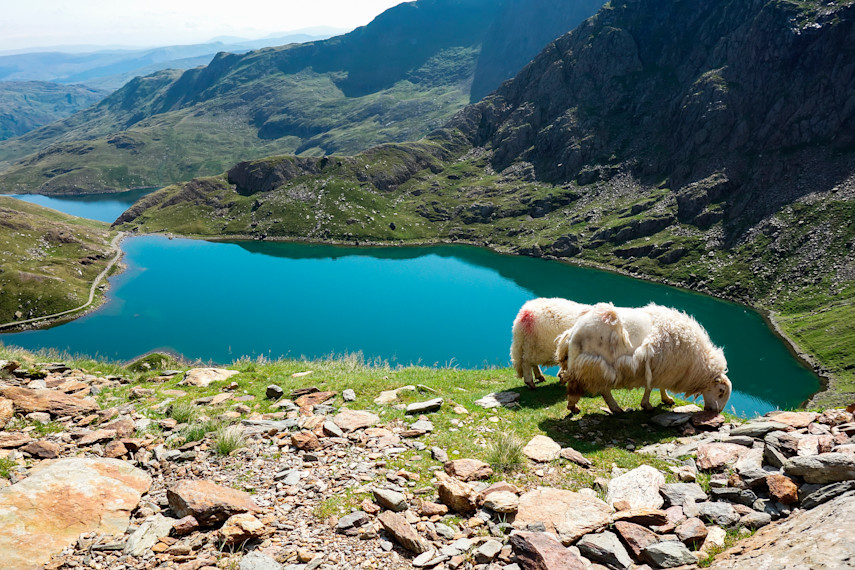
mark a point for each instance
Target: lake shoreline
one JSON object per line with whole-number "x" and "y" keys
{"x": 805, "y": 358}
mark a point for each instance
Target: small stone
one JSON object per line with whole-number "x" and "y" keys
{"x": 305, "y": 440}
{"x": 636, "y": 537}
{"x": 274, "y": 392}
{"x": 439, "y": 454}
{"x": 754, "y": 520}
{"x": 541, "y": 551}
{"x": 349, "y": 524}
{"x": 713, "y": 456}
{"x": 207, "y": 502}
{"x": 708, "y": 420}
{"x": 542, "y": 449}
{"x": 758, "y": 428}
{"x": 404, "y": 534}
{"x": 348, "y": 395}
{"x": 459, "y": 496}
{"x": 148, "y": 534}
{"x": 669, "y": 555}
{"x": 429, "y": 509}
{"x": 678, "y": 494}
{"x": 670, "y": 419}
{"x": 794, "y": 419}
{"x": 782, "y": 489}
{"x": 468, "y": 469}
{"x": 605, "y": 548}
{"x": 574, "y": 456}
{"x": 722, "y": 514}
{"x": 715, "y": 539}
{"x": 639, "y": 487}
{"x": 391, "y": 500}
{"x": 502, "y": 502}
{"x": 497, "y": 399}
{"x": 42, "y": 449}
{"x": 425, "y": 407}
{"x": 691, "y": 531}
{"x": 351, "y": 420}
{"x": 185, "y": 525}
{"x": 255, "y": 560}
{"x": 203, "y": 377}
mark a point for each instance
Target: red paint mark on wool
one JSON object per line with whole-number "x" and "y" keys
{"x": 526, "y": 319}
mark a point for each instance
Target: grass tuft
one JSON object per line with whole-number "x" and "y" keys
{"x": 229, "y": 439}
{"x": 504, "y": 453}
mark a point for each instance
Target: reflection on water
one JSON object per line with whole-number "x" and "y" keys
{"x": 445, "y": 305}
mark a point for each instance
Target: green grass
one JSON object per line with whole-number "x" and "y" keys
{"x": 49, "y": 260}
{"x": 7, "y": 466}
{"x": 183, "y": 412}
{"x": 228, "y": 439}
{"x": 504, "y": 453}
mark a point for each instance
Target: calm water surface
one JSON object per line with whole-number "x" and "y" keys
{"x": 102, "y": 207}
{"x": 445, "y": 305}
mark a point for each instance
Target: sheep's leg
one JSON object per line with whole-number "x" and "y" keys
{"x": 529, "y": 381}
{"x": 666, "y": 399}
{"x": 611, "y": 403}
{"x": 645, "y": 400}
{"x": 538, "y": 374}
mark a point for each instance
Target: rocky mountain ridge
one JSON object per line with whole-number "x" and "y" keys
{"x": 395, "y": 79}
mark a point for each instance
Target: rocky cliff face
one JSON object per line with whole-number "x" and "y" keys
{"x": 743, "y": 97}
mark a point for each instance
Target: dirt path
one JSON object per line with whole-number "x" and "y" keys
{"x": 114, "y": 246}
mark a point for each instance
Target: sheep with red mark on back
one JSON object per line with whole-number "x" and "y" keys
{"x": 536, "y": 328}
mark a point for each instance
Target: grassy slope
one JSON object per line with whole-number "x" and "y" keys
{"x": 208, "y": 137}
{"x": 40, "y": 259}
{"x": 775, "y": 267}
{"x": 602, "y": 438}
{"x": 27, "y": 105}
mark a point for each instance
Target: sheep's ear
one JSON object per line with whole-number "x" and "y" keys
{"x": 609, "y": 316}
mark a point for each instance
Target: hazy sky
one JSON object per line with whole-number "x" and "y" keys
{"x": 31, "y": 23}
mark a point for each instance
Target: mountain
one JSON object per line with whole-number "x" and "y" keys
{"x": 396, "y": 79}
{"x": 111, "y": 68}
{"x": 48, "y": 261}
{"x": 709, "y": 145}
{"x": 25, "y": 106}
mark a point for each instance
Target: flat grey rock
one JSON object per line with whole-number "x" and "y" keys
{"x": 425, "y": 407}
{"x": 668, "y": 555}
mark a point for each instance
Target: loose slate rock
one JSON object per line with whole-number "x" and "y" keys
{"x": 713, "y": 456}
{"x": 722, "y": 514}
{"x": 540, "y": 551}
{"x": 392, "y": 500}
{"x": 826, "y": 493}
{"x": 571, "y": 454}
{"x": 639, "y": 487}
{"x": 258, "y": 561}
{"x": 468, "y": 469}
{"x": 819, "y": 538}
{"x": 570, "y": 515}
{"x": 496, "y": 399}
{"x": 636, "y": 537}
{"x": 669, "y": 555}
{"x": 502, "y": 502}
{"x": 59, "y": 500}
{"x": 203, "y": 377}
{"x": 349, "y": 524}
{"x": 148, "y": 533}
{"x": 425, "y": 407}
{"x": 605, "y": 548}
{"x": 822, "y": 468}
{"x": 350, "y": 420}
{"x": 207, "y": 502}
{"x": 542, "y": 449}
{"x": 55, "y": 403}
{"x": 678, "y": 494}
{"x": 402, "y": 532}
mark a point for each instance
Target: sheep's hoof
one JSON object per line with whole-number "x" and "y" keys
{"x": 540, "y": 379}
{"x": 531, "y": 386}
{"x": 648, "y": 407}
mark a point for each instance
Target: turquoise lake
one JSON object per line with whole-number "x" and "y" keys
{"x": 101, "y": 207}
{"x": 435, "y": 306}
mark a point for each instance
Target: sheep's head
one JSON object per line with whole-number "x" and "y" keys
{"x": 717, "y": 395}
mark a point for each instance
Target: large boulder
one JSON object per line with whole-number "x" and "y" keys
{"x": 639, "y": 487}
{"x": 208, "y": 502}
{"x": 568, "y": 514}
{"x": 59, "y": 500}
{"x": 823, "y": 468}
{"x": 55, "y": 403}
{"x": 817, "y": 539}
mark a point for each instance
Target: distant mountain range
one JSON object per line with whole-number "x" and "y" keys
{"x": 396, "y": 79}
{"x": 109, "y": 69}
{"x": 27, "y": 105}
{"x": 707, "y": 144}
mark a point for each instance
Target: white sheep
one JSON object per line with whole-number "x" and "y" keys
{"x": 536, "y": 328}
{"x": 653, "y": 347}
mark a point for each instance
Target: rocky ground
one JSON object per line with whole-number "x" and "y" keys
{"x": 313, "y": 485}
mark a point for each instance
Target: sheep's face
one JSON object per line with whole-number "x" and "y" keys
{"x": 718, "y": 394}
